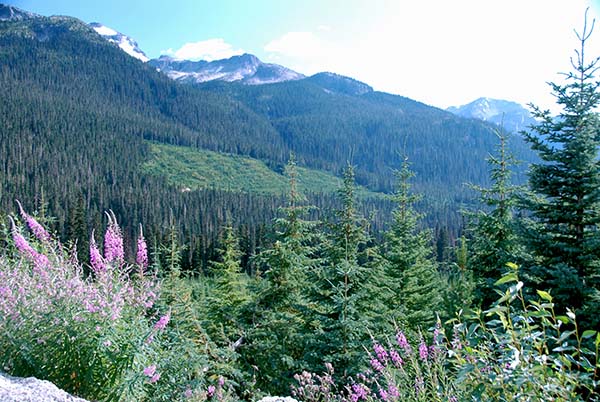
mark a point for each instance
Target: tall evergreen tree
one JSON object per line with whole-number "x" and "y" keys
{"x": 346, "y": 294}
{"x": 494, "y": 239}
{"x": 565, "y": 201}
{"x": 410, "y": 265}
{"x": 230, "y": 294}
{"x": 277, "y": 341}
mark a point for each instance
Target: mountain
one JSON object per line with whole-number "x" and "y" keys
{"x": 245, "y": 68}
{"x": 511, "y": 115}
{"x": 87, "y": 128}
{"x": 10, "y": 13}
{"x": 127, "y": 44}
{"x": 340, "y": 84}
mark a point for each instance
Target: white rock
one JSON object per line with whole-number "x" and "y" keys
{"x": 15, "y": 389}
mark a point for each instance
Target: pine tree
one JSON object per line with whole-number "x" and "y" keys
{"x": 414, "y": 280}
{"x": 565, "y": 200}
{"x": 346, "y": 294}
{"x": 494, "y": 239}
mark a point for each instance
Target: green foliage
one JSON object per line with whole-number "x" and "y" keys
{"x": 563, "y": 235}
{"x": 277, "y": 340}
{"x": 517, "y": 350}
{"x": 413, "y": 279}
{"x": 495, "y": 241}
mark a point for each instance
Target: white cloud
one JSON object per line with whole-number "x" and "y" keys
{"x": 211, "y": 49}
{"x": 304, "y": 45}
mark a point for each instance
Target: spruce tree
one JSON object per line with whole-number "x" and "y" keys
{"x": 565, "y": 201}
{"x": 345, "y": 293}
{"x": 277, "y": 341}
{"x": 414, "y": 280}
{"x": 229, "y": 293}
{"x": 494, "y": 239}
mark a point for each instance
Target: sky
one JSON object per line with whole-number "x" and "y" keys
{"x": 440, "y": 52}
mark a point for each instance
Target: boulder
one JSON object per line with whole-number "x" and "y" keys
{"x": 15, "y": 389}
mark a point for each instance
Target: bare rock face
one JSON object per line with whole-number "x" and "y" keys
{"x": 14, "y": 389}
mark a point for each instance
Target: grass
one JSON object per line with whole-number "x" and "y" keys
{"x": 193, "y": 169}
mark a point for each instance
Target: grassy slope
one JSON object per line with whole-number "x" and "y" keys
{"x": 197, "y": 168}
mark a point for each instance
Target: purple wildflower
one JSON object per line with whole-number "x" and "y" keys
{"x": 423, "y": 351}
{"x": 393, "y": 391}
{"x": 113, "y": 241}
{"x": 37, "y": 229}
{"x": 40, "y": 260}
{"x": 396, "y": 359}
{"x": 211, "y": 390}
{"x": 377, "y": 366}
{"x": 188, "y": 393}
{"x": 150, "y": 370}
{"x": 221, "y": 381}
{"x": 95, "y": 258}
{"x": 154, "y": 378}
{"x": 142, "y": 252}
{"x": 402, "y": 342}
{"x": 359, "y": 391}
{"x": 383, "y": 394}
{"x": 162, "y": 322}
{"x": 381, "y": 353}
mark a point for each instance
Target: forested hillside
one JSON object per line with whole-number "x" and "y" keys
{"x": 78, "y": 112}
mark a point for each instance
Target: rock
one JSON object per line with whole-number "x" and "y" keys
{"x": 278, "y": 399}
{"x": 15, "y": 389}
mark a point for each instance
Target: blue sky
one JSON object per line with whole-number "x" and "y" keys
{"x": 439, "y": 52}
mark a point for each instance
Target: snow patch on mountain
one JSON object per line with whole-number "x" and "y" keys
{"x": 10, "y": 13}
{"x": 127, "y": 44}
{"x": 245, "y": 68}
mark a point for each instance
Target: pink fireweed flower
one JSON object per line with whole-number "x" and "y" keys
{"x": 359, "y": 391}
{"x": 113, "y": 241}
{"x": 393, "y": 391}
{"x": 383, "y": 394}
{"x": 396, "y": 359}
{"x": 37, "y": 229}
{"x": 423, "y": 351}
{"x": 96, "y": 260}
{"x": 402, "y": 342}
{"x": 150, "y": 370}
{"x": 377, "y": 366}
{"x": 381, "y": 353}
{"x": 154, "y": 378}
{"x": 40, "y": 260}
{"x": 221, "y": 381}
{"x": 162, "y": 322}
{"x": 142, "y": 252}
{"x": 211, "y": 390}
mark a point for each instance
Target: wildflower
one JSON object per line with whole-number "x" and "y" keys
{"x": 396, "y": 359}
{"x": 221, "y": 381}
{"x": 150, "y": 370}
{"x": 377, "y": 366}
{"x": 155, "y": 378}
{"x": 142, "y": 252}
{"x": 383, "y": 394}
{"x": 211, "y": 390}
{"x": 188, "y": 393}
{"x": 423, "y": 352}
{"x": 95, "y": 258}
{"x": 393, "y": 391}
{"x": 381, "y": 353}
{"x": 402, "y": 342}
{"x": 359, "y": 391}
{"x": 113, "y": 241}
{"x": 40, "y": 260}
{"x": 162, "y": 322}
{"x": 37, "y": 229}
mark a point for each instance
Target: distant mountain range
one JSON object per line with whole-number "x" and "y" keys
{"x": 512, "y": 116}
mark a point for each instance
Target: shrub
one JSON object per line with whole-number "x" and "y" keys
{"x": 100, "y": 337}
{"x": 517, "y": 350}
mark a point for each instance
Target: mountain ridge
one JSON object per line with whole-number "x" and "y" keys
{"x": 509, "y": 115}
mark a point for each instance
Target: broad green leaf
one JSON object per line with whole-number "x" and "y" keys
{"x": 544, "y": 295}
{"x": 511, "y": 277}
{"x": 588, "y": 334}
